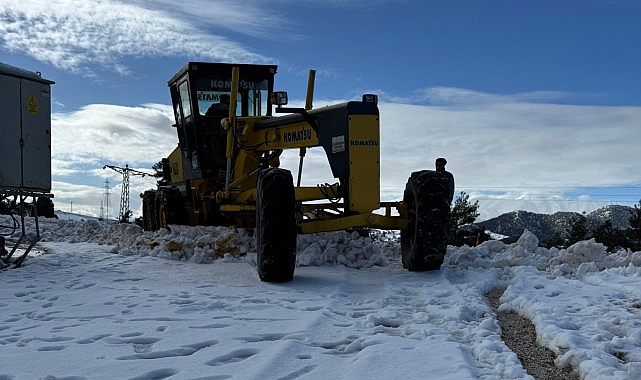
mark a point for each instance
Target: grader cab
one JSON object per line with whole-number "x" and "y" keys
{"x": 226, "y": 169}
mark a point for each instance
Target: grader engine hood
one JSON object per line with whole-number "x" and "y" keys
{"x": 343, "y": 130}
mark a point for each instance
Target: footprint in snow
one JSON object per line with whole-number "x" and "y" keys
{"x": 233, "y": 357}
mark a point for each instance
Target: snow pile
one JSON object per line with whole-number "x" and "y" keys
{"x": 73, "y": 231}
{"x": 341, "y": 247}
{"x": 205, "y": 244}
{"x": 196, "y": 244}
{"x": 584, "y": 256}
{"x": 70, "y": 231}
{"x": 496, "y": 254}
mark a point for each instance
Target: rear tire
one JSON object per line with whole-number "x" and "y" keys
{"x": 275, "y": 225}
{"x": 424, "y": 242}
{"x": 170, "y": 209}
{"x": 149, "y": 222}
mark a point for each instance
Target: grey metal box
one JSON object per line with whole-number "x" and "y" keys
{"x": 25, "y": 130}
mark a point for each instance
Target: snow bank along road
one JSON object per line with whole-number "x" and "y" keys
{"x": 109, "y": 302}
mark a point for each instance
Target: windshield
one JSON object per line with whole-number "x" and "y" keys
{"x": 251, "y": 97}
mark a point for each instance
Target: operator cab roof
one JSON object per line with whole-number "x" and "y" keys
{"x": 223, "y": 70}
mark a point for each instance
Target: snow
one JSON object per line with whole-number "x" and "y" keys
{"x": 106, "y": 301}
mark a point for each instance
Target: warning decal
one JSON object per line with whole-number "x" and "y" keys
{"x": 32, "y": 105}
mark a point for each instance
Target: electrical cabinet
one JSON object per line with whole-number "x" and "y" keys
{"x": 25, "y": 130}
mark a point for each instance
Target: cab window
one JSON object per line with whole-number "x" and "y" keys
{"x": 184, "y": 99}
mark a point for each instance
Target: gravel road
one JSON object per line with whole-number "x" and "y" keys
{"x": 519, "y": 335}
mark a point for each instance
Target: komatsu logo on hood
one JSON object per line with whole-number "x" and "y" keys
{"x": 369, "y": 142}
{"x": 302, "y": 135}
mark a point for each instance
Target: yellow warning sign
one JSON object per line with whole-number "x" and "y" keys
{"x": 32, "y": 105}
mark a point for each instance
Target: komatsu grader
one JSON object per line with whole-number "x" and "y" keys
{"x": 226, "y": 169}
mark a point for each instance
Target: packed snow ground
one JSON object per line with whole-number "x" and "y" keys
{"x": 103, "y": 301}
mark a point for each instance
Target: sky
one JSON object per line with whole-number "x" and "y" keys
{"x": 535, "y": 105}
{"x": 106, "y": 301}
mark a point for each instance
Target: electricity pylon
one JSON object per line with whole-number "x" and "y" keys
{"x": 124, "y": 194}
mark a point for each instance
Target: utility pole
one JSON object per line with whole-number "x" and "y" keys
{"x": 124, "y": 194}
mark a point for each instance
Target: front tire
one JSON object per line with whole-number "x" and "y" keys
{"x": 275, "y": 225}
{"x": 424, "y": 242}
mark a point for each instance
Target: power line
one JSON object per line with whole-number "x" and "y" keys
{"x": 579, "y": 195}
{"x": 555, "y": 200}
{"x": 533, "y": 187}
{"x": 550, "y": 187}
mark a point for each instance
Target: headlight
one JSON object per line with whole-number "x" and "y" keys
{"x": 370, "y": 98}
{"x": 279, "y": 98}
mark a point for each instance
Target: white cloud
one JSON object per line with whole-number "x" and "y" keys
{"x": 248, "y": 17}
{"x": 77, "y": 35}
{"x": 100, "y": 134}
{"x": 338, "y": 3}
{"x": 518, "y": 144}
{"x": 513, "y": 148}
{"x": 461, "y": 97}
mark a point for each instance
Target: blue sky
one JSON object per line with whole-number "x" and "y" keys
{"x": 536, "y": 105}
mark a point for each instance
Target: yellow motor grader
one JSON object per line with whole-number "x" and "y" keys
{"x": 226, "y": 169}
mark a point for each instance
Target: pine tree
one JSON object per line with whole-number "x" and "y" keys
{"x": 462, "y": 212}
{"x": 578, "y": 232}
{"x": 125, "y": 217}
{"x": 158, "y": 173}
{"x": 609, "y": 236}
{"x": 557, "y": 240}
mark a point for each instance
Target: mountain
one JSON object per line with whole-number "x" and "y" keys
{"x": 544, "y": 226}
